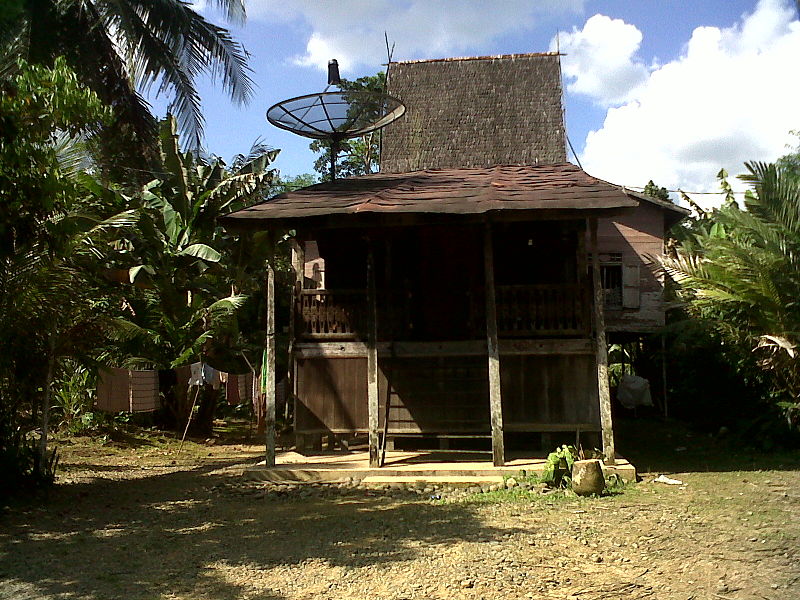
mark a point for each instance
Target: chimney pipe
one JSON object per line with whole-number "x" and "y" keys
{"x": 333, "y": 72}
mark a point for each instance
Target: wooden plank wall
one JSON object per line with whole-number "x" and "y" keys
{"x": 635, "y": 236}
{"x": 437, "y": 394}
{"x": 331, "y": 395}
{"x": 549, "y": 390}
{"x": 446, "y": 394}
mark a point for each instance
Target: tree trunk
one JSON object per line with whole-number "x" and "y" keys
{"x": 42, "y": 462}
{"x": 204, "y": 423}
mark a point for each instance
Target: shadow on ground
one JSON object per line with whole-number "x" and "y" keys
{"x": 165, "y": 535}
{"x": 655, "y": 445}
{"x": 189, "y": 533}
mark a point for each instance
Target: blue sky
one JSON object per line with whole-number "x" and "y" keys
{"x": 670, "y": 90}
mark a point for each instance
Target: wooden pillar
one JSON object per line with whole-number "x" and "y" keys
{"x": 602, "y": 351}
{"x": 664, "y": 375}
{"x": 298, "y": 270}
{"x": 372, "y": 360}
{"x": 269, "y": 354}
{"x": 492, "y": 347}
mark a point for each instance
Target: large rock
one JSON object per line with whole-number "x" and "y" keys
{"x": 587, "y": 477}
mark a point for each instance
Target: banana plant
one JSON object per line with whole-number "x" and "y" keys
{"x": 192, "y": 275}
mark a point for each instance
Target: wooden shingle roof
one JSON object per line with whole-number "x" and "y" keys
{"x": 475, "y": 112}
{"x": 561, "y": 186}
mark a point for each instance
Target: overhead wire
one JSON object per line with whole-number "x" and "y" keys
{"x": 629, "y": 187}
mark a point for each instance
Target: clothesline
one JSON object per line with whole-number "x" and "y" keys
{"x": 126, "y": 390}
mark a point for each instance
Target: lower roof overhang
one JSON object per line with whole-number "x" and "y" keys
{"x": 382, "y": 221}
{"x": 440, "y": 196}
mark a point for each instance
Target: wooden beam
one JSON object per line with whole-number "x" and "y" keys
{"x": 311, "y": 224}
{"x": 602, "y": 352}
{"x": 372, "y": 360}
{"x": 565, "y": 347}
{"x": 551, "y": 427}
{"x": 544, "y": 347}
{"x": 269, "y": 351}
{"x": 493, "y": 352}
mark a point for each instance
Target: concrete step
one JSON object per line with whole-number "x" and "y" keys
{"x": 444, "y": 480}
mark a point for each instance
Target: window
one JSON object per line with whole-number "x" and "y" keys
{"x": 611, "y": 276}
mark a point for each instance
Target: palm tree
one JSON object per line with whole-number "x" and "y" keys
{"x": 119, "y": 46}
{"x": 740, "y": 271}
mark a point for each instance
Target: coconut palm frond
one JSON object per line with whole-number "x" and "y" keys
{"x": 71, "y": 153}
{"x": 256, "y": 159}
{"x": 113, "y": 44}
{"x": 227, "y": 305}
{"x": 171, "y": 45}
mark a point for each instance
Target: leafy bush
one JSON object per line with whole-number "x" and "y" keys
{"x": 558, "y": 470}
{"x": 21, "y": 464}
{"x": 559, "y": 466}
{"x": 74, "y": 397}
{"x": 736, "y": 273}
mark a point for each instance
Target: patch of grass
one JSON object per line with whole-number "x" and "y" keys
{"x": 516, "y": 494}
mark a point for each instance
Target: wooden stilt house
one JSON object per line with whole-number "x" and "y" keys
{"x": 458, "y": 293}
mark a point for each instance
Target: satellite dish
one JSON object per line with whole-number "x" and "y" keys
{"x": 336, "y": 116}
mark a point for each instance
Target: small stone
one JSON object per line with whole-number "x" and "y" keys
{"x": 511, "y": 482}
{"x": 467, "y": 583}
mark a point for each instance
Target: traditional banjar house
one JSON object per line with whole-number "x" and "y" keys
{"x": 465, "y": 292}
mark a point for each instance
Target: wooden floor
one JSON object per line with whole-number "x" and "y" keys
{"x": 450, "y": 466}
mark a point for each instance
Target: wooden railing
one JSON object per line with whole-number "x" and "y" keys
{"x": 342, "y": 314}
{"x": 332, "y": 314}
{"x": 522, "y": 311}
{"x": 557, "y": 309}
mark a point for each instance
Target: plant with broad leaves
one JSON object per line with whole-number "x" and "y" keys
{"x": 739, "y": 270}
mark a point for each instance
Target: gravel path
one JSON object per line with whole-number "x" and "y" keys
{"x": 139, "y": 524}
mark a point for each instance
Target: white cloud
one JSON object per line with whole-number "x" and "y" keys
{"x": 732, "y": 96}
{"x": 352, "y": 31}
{"x": 600, "y": 59}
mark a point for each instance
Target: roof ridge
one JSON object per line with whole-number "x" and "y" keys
{"x": 486, "y": 57}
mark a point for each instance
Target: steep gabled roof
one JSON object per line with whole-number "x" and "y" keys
{"x": 475, "y": 112}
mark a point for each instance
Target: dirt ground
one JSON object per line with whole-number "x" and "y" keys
{"x": 132, "y": 519}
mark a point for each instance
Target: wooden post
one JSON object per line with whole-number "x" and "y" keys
{"x": 664, "y": 375}
{"x": 372, "y": 360}
{"x": 602, "y": 351}
{"x": 493, "y": 352}
{"x": 392, "y": 327}
{"x": 269, "y": 346}
{"x": 298, "y": 269}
